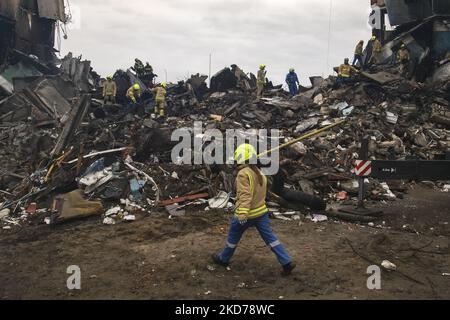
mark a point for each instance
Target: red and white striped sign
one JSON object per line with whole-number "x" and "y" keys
{"x": 363, "y": 168}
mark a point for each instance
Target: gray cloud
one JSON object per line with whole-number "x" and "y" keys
{"x": 179, "y": 35}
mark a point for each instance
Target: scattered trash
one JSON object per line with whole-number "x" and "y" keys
{"x": 109, "y": 221}
{"x": 317, "y": 218}
{"x": 220, "y": 201}
{"x": 129, "y": 218}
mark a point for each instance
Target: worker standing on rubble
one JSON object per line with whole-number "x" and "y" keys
{"x": 251, "y": 211}
{"x": 133, "y": 94}
{"x": 292, "y": 82}
{"x": 138, "y": 67}
{"x": 359, "y": 54}
{"x": 404, "y": 58}
{"x": 345, "y": 72}
{"x": 376, "y": 51}
{"x": 261, "y": 81}
{"x": 109, "y": 91}
{"x": 160, "y": 99}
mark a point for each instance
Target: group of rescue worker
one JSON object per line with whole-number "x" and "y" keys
{"x": 373, "y": 50}
{"x": 134, "y": 93}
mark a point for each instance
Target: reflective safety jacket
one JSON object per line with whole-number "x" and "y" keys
{"x": 345, "y": 70}
{"x": 133, "y": 94}
{"x": 359, "y": 49}
{"x": 261, "y": 79}
{"x": 403, "y": 55}
{"x": 251, "y": 195}
{"x": 109, "y": 88}
{"x": 160, "y": 93}
{"x": 376, "y": 46}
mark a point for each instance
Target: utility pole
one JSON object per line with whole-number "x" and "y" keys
{"x": 329, "y": 37}
{"x": 210, "y": 64}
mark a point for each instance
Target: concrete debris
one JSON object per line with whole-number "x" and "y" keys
{"x": 386, "y": 264}
{"x": 59, "y": 141}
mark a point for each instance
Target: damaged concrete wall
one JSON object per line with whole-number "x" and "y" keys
{"x": 29, "y": 26}
{"x": 406, "y": 11}
{"x": 52, "y": 9}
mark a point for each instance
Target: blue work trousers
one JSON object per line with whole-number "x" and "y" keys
{"x": 262, "y": 224}
{"x": 293, "y": 89}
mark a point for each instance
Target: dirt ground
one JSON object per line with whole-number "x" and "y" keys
{"x": 158, "y": 258}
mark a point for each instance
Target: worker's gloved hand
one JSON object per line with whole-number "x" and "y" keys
{"x": 242, "y": 219}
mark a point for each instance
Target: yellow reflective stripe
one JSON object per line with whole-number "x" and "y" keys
{"x": 259, "y": 211}
{"x": 251, "y": 183}
{"x": 242, "y": 211}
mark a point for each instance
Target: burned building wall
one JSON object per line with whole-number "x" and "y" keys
{"x": 29, "y": 26}
{"x": 406, "y": 11}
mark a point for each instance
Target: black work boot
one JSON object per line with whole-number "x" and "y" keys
{"x": 217, "y": 260}
{"x": 287, "y": 269}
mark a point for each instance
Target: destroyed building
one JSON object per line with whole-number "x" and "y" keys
{"x": 27, "y": 39}
{"x": 423, "y": 26}
{"x": 59, "y": 141}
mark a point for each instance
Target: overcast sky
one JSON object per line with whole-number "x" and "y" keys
{"x": 177, "y": 36}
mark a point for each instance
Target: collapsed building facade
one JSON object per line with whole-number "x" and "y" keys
{"x": 27, "y": 34}
{"x": 423, "y": 26}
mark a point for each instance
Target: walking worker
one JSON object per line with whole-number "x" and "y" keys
{"x": 359, "y": 54}
{"x": 292, "y": 82}
{"x": 261, "y": 81}
{"x": 109, "y": 90}
{"x": 251, "y": 211}
{"x": 376, "y": 51}
{"x": 160, "y": 99}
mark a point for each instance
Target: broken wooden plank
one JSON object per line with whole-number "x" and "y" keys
{"x": 183, "y": 199}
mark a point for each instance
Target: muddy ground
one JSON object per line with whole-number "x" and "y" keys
{"x": 158, "y": 258}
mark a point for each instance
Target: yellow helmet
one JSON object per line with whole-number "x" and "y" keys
{"x": 136, "y": 86}
{"x": 244, "y": 153}
{"x": 374, "y": 38}
{"x": 262, "y": 66}
{"x": 109, "y": 78}
{"x": 291, "y": 70}
{"x": 164, "y": 85}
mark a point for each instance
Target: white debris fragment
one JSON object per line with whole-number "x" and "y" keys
{"x": 317, "y": 218}
{"x": 129, "y": 218}
{"x": 109, "y": 221}
{"x": 388, "y": 265}
{"x": 386, "y": 188}
{"x": 4, "y": 213}
{"x": 113, "y": 211}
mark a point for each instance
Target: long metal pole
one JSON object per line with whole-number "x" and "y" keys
{"x": 304, "y": 137}
{"x": 363, "y": 155}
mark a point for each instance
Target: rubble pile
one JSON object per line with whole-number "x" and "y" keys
{"x": 124, "y": 160}
{"x": 66, "y": 154}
